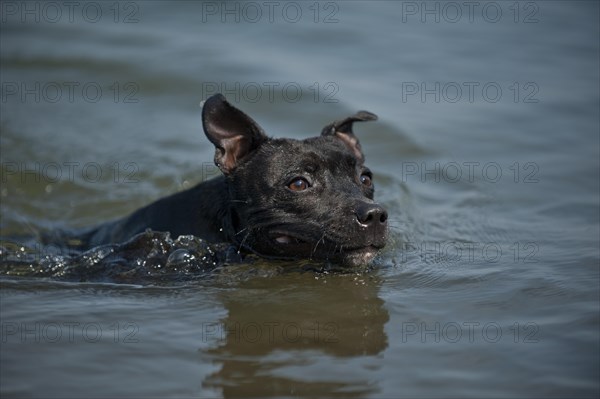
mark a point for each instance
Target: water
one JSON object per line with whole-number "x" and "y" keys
{"x": 485, "y": 155}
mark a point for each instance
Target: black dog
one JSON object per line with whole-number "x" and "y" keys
{"x": 279, "y": 198}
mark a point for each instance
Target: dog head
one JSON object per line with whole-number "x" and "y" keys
{"x": 289, "y": 198}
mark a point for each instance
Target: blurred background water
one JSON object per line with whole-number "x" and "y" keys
{"x": 486, "y": 155}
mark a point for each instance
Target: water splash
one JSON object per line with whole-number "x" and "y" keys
{"x": 149, "y": 257}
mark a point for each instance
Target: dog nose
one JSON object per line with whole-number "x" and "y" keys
{"x": 371, "y": 215}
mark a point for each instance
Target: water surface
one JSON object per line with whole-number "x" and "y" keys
{"x": 485, "y": 155}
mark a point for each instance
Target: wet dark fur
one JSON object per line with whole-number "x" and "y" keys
{"x": 252, "y": 204}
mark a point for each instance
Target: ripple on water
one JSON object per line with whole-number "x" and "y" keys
{"x": 151, "y": 258}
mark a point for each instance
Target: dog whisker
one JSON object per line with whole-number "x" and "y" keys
{"x": 243, "y": 241}
{"x": 241, "y": 231}
{"x": 317, "y": 244}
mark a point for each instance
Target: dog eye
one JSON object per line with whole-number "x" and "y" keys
{"x": 366, "y": 180}
{"x": 298, "y": 184}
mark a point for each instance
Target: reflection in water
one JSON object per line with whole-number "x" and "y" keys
{"x": 300, "y": 334}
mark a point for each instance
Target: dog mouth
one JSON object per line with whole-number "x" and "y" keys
{"x": 295, "y": 245}
{"x": 288, "y": 239}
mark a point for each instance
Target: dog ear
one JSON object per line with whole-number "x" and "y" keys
{"x": 343, "y": 131}
{"x": 233, "y": 133}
